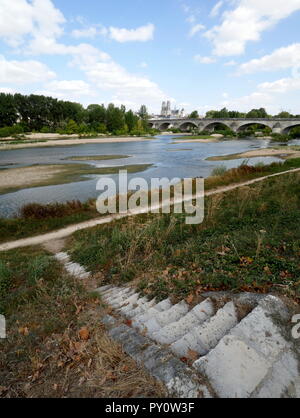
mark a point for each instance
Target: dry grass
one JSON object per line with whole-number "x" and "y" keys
{"x": 56, "y": 346}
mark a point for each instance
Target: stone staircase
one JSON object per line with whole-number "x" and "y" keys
{"x": 249, "y": 356}
{"x": 228, "y": 346}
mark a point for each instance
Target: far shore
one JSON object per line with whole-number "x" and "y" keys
{"x": 185, "y": 141}
{"x": 282, "y": 152}
{"x": 54, "y": 140}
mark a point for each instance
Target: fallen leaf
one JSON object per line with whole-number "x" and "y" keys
{"x": 190, "y": 299}
{"x": 84, "y": 334}
{"x": 128, "y": 322}
{"x": 192, "y": 355}
{"x": 24, "y": 331}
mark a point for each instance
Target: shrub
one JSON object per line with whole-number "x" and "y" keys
{"x": 53, "y": 210}
{"x": 219, "y": 171}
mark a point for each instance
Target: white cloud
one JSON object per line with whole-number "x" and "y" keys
{"x": 281, "y": 86}
{"x": 74, "y": 87}
{"x": 246, "y": 22}
{"x": 230, "y": 63}
{"x": 281, "y": 58}
{"x": 216, "y": 9}
{"x": 141, "y": 34}
{"x": 23, "y": 72}
{"x": 20, "y": 18}
{"x": 36, "y": 25}
{"x": 143, "y": 64}
{"x": 90, "y": 32}
{"x": 7, "y": 90}
{"x": 195, "y": 29}
{"x": 204, "y": 60}
{"x": 248, "y": 102}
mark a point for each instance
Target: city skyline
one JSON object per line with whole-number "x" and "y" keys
{"x": 199, "y": 55}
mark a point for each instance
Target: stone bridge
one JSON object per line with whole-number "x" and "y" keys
{"x": 278, "y": 125}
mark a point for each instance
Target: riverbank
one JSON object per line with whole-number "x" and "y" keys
{"x": 54, "y": 140}
{"x": 14, "y": 179}
{"x": 201, "y": 138}
{"x": 281, "y": 152}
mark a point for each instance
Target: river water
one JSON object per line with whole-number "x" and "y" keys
{"x": 169, "y": 160}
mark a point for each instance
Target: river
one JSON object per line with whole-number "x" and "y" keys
{"x": 169, "y": 160}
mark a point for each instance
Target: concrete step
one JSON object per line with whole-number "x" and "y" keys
{"x": 203, "y": 338}
{"x": 253, "y": 358}
{"x": 139, "y": 321}
{"x": 164, "y": 318}
{"x": 177, "y": 329}
{"x": 256, "y": 358}
{"x": 180, "y": 380}
{"x": 139, "y": 308}
{"x": 74, "y": 269}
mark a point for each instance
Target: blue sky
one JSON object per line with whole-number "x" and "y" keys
{"x": 201, "y": 54}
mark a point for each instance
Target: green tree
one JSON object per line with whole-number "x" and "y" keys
{"x": 8, "y": 111}
{"x": 194, "y": 115}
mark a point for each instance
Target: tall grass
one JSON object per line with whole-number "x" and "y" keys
{"x": 53, "y": 210}
{"x": 166, "y": 256}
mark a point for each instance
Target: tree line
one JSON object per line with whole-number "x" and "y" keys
{"x": 20, "y": 114}
{"x": 253, "y": 114}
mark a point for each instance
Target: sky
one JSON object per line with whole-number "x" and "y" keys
{"x": 200, "y": 54}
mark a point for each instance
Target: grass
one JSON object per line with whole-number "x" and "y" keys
{"x": 97, "y": 157}
{"x": 44, "y": 354}
{"x": 219, "y": 171}
{"x": 37, "y": 219}
{"x": 14, "y": 179}
{"x": 249, "y": 241}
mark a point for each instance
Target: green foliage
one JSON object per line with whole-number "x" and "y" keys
{"x": 46, "y": 114}
{"x": 194, "y": 115}
{"x": 219, "y": 171}
{"x": 257, "y": 113}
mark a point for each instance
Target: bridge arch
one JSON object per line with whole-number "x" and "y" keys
{"x": 289, "y": 128}
{"x": 260, "y": 125}
{"x": 164, "y": 126}
{"x": 188, "y": 126}
{"x": 213, "y": 125}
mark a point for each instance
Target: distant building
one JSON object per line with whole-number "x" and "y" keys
{"x": 167, "y": 112}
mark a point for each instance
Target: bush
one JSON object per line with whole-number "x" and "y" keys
{"x": 53, "y": 210}
{"x": 45, "y": 130}
{"x": 11, "y": 131}
{"x": 219, "y": 171}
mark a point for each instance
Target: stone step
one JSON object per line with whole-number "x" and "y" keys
{"x": 118, "y": 302}
{"x": 203, "y": 338}
{"x": 180, "y": 380}
{"x": 140, "y": 307}
{"x": 255, "y": 359}
{"x": 115, "y": 292}
{"x": 76, "y": 270}
{"x": 252, "y": 358}
{"x": 162, "y": 319}
{"x": 177, "y": 329}
{"x": 63, "y": 257}
{"x": 138, "y": 321}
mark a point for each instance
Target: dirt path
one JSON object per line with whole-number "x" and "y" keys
{"x": 65, "y": 232}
